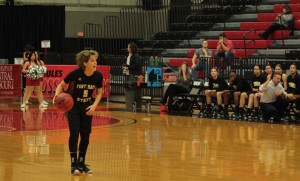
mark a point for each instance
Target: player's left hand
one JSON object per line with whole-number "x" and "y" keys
{"x": 90, "y": 110}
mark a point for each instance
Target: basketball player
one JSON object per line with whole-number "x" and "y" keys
{"x": 239, "y": 85}
{"x": 82, "y": 83}
{"x": 257, "y": 80}
{"x": 217, "y": 89}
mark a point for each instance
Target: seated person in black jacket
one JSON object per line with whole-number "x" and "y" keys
{"x": 217, "y": 89}
{"x": 257, "y": 79}
{"x": 238, "y": 85}
{"x": 182, "y": 85}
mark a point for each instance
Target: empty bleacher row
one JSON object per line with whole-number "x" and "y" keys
{"x": 181, "y": 48}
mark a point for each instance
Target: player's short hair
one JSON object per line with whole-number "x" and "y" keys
{"x": 84, "y": 56}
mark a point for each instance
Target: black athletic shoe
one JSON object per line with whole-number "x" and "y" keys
{"x": 205, "y": 112}
{"x": 235, "y": 116}
{"x": 83, "y": 168}
{"x": 225, "y": 114}
{"x": 75, "y": 170}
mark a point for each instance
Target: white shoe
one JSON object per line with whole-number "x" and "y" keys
{"x": 42, "y": 109}
{"x": 23, "y": 105}
{"x": 42, "y": 105}
{"x": 45, "y": 102}
{"x": 27, "y": 102}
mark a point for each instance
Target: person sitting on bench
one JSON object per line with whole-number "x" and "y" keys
{"x": 293, "y": 89}
{"x": 182, "y": 85}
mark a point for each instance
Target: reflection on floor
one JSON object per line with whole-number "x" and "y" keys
{"x": 134, "y": 146}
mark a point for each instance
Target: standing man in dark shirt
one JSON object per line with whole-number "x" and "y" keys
{"x": 82, "y": 83}
{"x": 293, "y": 89}
{"x": 238, "y": 85}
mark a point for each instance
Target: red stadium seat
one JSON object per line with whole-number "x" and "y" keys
{"x": 240, "y": 44}
{"x": 240, "y": 53}
{"x": 238, "y": 35}
{"x": 176, "y": 62}
{"x": 270, "y": 17}
{"x": 278, "y": 8}
{"x": 295, "y": 1}
{"x": 246, "y": 26}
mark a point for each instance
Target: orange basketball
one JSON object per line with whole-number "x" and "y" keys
{"x": 64, "y": 102}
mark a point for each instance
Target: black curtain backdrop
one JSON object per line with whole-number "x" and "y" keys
{"x": 21, "y": 25}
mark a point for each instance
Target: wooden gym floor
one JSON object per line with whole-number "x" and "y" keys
{"x": 133, "y": 146}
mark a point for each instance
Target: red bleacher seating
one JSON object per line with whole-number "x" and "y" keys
{"x": 270, "y": 17}
{"x": 295, "y": 1}
{"x": 237, "y": 35}
{"x": 240, "y": 53}
{"x": 240, "y": 43}
{"x": 176, "y": 62}
{"x": 246, "y": 26}
{"x": 278, "y": 8}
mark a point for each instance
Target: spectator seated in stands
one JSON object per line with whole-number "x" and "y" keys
{"x": 225, "y": 48}
{"x": 203, "y": 55}
{"x": 182, "y": 85}
{"x": 273, "y": 101}
{"x": 283, "y": 21}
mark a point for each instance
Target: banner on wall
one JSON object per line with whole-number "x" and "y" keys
{"x": 10, "y": 80}
{"x": 56, "y": 73}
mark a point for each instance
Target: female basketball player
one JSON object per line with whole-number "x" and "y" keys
{"x": 82, "y": 83}
{"x": 217, "y": 89}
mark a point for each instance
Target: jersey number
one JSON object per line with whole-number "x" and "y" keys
{"x": 85, "y": 93}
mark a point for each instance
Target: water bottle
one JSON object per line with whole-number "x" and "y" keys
{"x": 156, "y": 61}
{"x": 146, "y": 77}
{"x": 151, "y": 61}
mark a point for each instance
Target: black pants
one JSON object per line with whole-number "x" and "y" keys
{"x": 172, "y": 91}
{"x": 272, "y": 29}
{"x": 276, "y": 109}
{"x": 79, "y": 124}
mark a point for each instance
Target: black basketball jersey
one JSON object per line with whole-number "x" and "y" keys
{"x": 293, "y": 84}
{"x": 257, "y": 81}
{"x": 219, "y": 84}
{"x": 241, "y": 84}
{"x": 83, "y": 86}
